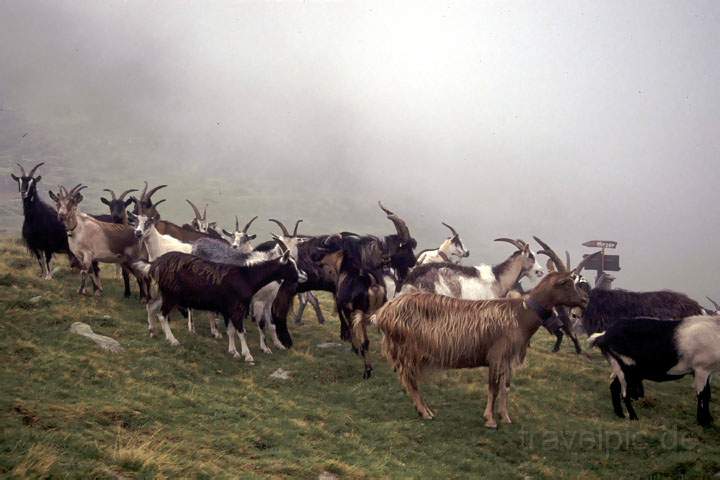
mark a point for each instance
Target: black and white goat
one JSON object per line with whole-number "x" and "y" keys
{"x": 182, "y": 280}
{"x": 450, "y": 250}
{"x": 660, "y": 350}
{"x": 482, "y": 282}
{"x": 43, "y": 233}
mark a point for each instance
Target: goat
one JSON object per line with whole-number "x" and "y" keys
{"x": 93, "y": 241}
{"x": 563, "y": 315}
{"x": 182, "y": 280}
{"x": 360, "y": 290}
{"x": 200, "y": 223}
{"x": 660, "y": 350}
{"x": 449, "y": 248}
{"x": 240, "y": 239}
{"x": 118, "y": 214}
{"x": 482, "y": 282}
{"x": 145, "y": 202}
{"x": 43, "y": 233}
{"x": 425, "y": 330}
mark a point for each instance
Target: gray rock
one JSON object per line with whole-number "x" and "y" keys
{"x": 280, "y": 374}
{"x": 329, "y": 345}
{"x": 36, "y": 299}
{"x": 106, "y": 343}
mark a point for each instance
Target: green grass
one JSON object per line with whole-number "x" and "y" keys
{"x": 68, "y": 409}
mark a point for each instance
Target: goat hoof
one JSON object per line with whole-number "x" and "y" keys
{"x": 491, "y": 424}
{"x": 250, "y": 360}
{"x": 426, "y": 415}
{"x": 506, "y": 420}
{"x": 174, "y": 343}
{"x": 235, "y": 355}
{"x": 266, "y": 350}
{"x": 217, "y": 335}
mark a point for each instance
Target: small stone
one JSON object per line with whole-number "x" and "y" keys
{"x": 106, "y": 343}
{"x": 327, "y": 476}
{"x": 35, "y": 299}
{"x": 106, "y": 317}
{"x": 280, "y": 374}
{"x": 329, "y": 345}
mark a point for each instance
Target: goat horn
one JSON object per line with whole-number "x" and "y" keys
{"x": 205, "y": 212}
{"x": 158, "y": 203}
{"x": 561, "y": 267}
{"x": 402, "y": 229}
{"x": 567, "y": 259}
{"x": 62, "y": 190}
{"x": 197, "y": 212}
{"x": 296, "y": 227}
{"x": 515, "y": 243}
{"x": 237, "y": 224}
{"x": 584, "y": 262}
{"x": 111, "y": 193}
{"x": 122, "y": 196}
{"x": 22, "y": 170}
{"x": 74, "y": 189}
{"x": 144, "y": 192}
{"x": 282, "y": 227}
{"x": 247, "y": 227}
{"x": 152, "y": 191}
{"x": 715, "y": 304}
{"x": 451, "y": 228}
{"x": 32, "y": 172}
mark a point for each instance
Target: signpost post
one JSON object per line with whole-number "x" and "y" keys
{"x": 606, "y": 262}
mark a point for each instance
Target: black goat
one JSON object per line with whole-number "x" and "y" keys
{"x": 42, "y": 232}
{"x": 660, "y": 350}
{"x": 186, "y": 281}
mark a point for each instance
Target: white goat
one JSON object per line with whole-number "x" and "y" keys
{"x": 451, "y": 247}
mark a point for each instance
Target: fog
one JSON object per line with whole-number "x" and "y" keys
{"x": 568, "y": 120}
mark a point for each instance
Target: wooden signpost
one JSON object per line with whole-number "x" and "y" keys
{"x": 610, "y": 263}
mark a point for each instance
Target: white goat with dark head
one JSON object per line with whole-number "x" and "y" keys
{"x": 240, "y": 239}
{"x": 482, "y": 282}
{"x": 451, "y": 250}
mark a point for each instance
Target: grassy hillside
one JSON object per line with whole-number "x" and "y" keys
{"x": 68, "y": 409}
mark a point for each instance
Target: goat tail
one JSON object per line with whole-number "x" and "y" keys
{"x": 595, "y": 338}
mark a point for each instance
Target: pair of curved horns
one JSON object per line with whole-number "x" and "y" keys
{"x": 247, "y": 226}
{"x": 559, "y": 265}
{"x": 455, "y": 234}
{"x": 282, "y": 227}
{"x": 146, "y": 196}
{"x": 122, "y": 196}
{"x": 402, "y": 229}
{"x": 197, "y": 212}
{"x": 73, "y": 191}
{"x": 32, "y": 172}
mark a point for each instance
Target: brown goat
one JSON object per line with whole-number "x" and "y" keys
{"x": 425, "y": 330}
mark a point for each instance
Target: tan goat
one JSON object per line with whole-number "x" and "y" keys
{"x": 425, "y": 330}
{"x": 92, "y": 241}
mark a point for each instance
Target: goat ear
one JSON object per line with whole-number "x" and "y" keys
{"x": 38, "y": 178}
{"x": 105, "y": 201}
{"x": 78, "y": 198}
{"x": 129, "y": 201}
{"x": 212, "y": 224}
{"x": 53, "y": 196}
{"x": 15, "y": 177}
{"x": 252, "y": 237}
{"x": 225, "y": 232}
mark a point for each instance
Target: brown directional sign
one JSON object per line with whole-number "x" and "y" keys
{"x": 600, "y": 244}
{"x": 608, "y": 263}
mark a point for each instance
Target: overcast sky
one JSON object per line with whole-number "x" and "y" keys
{"x": 570, "y": 120}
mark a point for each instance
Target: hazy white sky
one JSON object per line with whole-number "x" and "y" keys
{"x": 569, "y": 120}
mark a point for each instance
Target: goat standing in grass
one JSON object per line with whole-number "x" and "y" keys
{"x": 43, "y": 232}
{"x": 660, "y": 350}
{"x": 425, "y": 330}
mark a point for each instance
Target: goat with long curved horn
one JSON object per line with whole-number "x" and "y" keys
{"x": 195, "y": 209}
{"x": 296, "y": 227}
{"x": 402, "y": 229}
{"x": 451, "y": 228}
{"x": 32, "y": 172}
{"x": 282, "y": 227}
{"x": 559, "y": 265}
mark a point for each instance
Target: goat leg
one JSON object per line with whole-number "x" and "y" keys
{"x": 302, "y": 301}
{"x": 558, "y": 341}
{"x": 408, "y": 379}
{"x": 615, "y": 395}
{"x": 316, "y": 306}
{"x": 126, "y": 282}
{"x": 702, "y": 388}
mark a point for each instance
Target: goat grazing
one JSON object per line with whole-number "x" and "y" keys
{"x": 482, "y": 282}
{"x": 182, "y": 280}
{"x": 424, "y": 330}
{"x": 43, "y": 233}
{"x": 93, "y": 241}
{"x": 449, "y": 248}
{"x": 660, "y": 350}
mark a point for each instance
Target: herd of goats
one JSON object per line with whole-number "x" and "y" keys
{"x": 432, "y": 311}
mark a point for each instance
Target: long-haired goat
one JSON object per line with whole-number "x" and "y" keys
{"x": 451, "y": 247}
{"x": 182, "y": 280}
{"x": 43, "y": 233}
{"x": 425, "y": 330}
{"x": 660, "y": 350}
{"x": 482, "y": 282}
